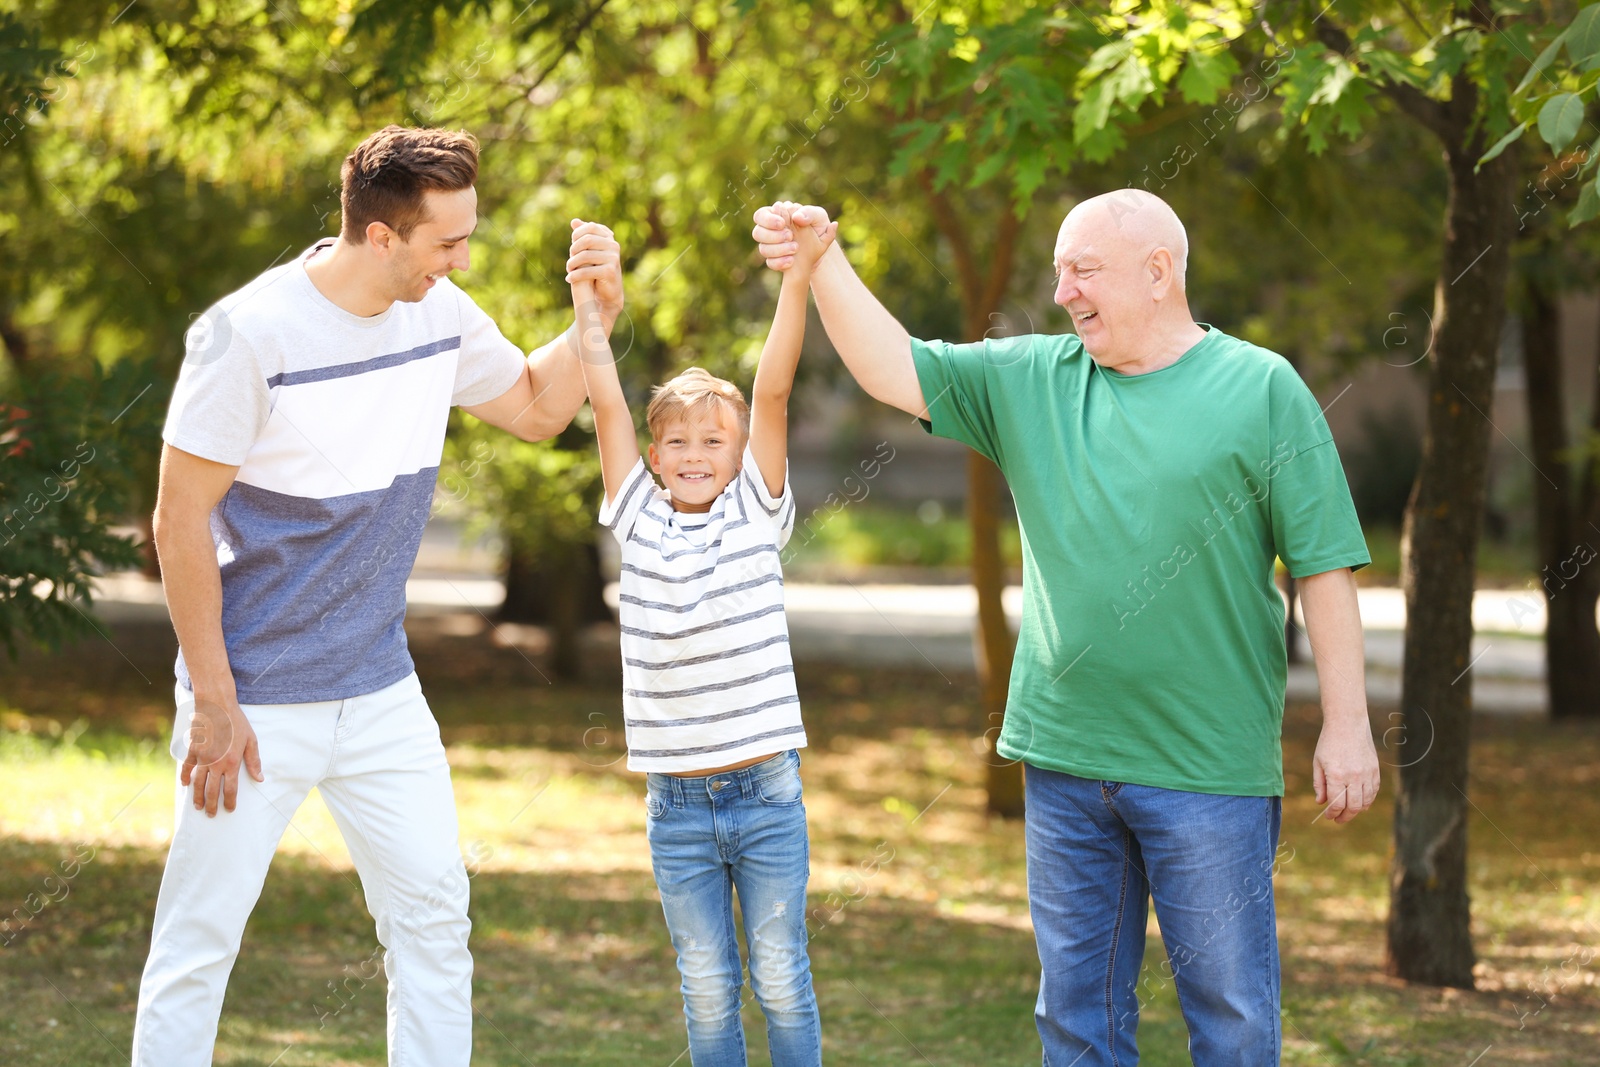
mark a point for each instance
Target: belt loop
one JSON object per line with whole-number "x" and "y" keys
{"x": 747, "y": 782}
{"x": 677, "y": 790}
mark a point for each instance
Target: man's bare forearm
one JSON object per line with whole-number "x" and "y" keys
{"x": 193, "y": 584}
{"x": 1333, "y": 626}
{"x": 558, "y": 391}
{"x": 875, "y": 348}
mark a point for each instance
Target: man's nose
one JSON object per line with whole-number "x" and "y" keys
{"x": 1066, "y": 291}
{"x": 461, "y": 259}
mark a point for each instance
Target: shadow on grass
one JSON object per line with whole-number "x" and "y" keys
{"x": 570, "y": 969}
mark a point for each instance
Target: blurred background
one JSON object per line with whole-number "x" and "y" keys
{"x": 157, "y": 154}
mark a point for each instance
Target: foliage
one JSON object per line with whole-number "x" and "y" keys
{"x": 541, "y": 497}
{"x": 1552, "y": 98}
{"x": 63, "y": 479}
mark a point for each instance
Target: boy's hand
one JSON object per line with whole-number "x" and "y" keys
{"x": 777, "y": 227}
{"x": 596, "y": 258}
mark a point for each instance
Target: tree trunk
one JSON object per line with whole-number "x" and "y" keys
{"x": 983, "y": 288}
{"x": 1429, "y": 932}
{"x": 1291, "y": 632}
{"x": 995, "y": 644}
{"x": 560, "y": 590}
{"x": 1564, "y": 507}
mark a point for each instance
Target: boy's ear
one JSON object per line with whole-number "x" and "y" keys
{"x": 655, "y": 463}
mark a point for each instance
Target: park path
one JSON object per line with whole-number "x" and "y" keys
{"x": 906, "y": 625}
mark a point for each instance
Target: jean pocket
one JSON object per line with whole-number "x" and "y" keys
{"x": 654, "y": 806}
{"x": 781, "y": 790}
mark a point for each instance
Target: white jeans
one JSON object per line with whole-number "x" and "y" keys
{"x": 380, "y": 766}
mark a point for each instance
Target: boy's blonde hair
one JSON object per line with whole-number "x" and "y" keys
{"x": 693, "y": 394}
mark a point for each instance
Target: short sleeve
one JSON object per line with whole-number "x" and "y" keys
{"x": 759, "y": 504}
{"x": 622, "y": 512}
{"x": 488, "y": 364}
{"x": 222, "y": 399}
{"x": 1314, "y": 522}
{"x": 955, "y": 389}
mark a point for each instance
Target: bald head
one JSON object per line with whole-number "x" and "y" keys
{"x": 1139, "y": 221}
{"x": 1120, "y": 259}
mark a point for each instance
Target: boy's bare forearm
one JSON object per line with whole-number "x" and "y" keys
{"x": 769, "y": 409}
{"x": 613, "y": 422}
{"x": 780, "y": 356}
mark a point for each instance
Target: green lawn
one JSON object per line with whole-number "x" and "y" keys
{"x": 922, "y": 951}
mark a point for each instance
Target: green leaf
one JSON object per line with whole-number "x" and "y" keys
{"x": 1206, "y": 75}
{"x": 1545, "y": 59}
{"x": 1559, "y": 120}
{"x": 1588, "y": 206}
{"x": 1501, "y": 145}
{"x": 1583, "y": 36}
{"x": 992, "y": 164}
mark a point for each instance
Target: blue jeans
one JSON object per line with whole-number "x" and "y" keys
{"x": 741, "y": 831}
{"x": 1097, "y": 853}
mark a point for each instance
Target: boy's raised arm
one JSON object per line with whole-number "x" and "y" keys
{"x": 613, "y": 423}
{"x": 769, "y": 406}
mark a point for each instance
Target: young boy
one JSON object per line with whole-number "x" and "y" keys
{"x": 708, "y": 685}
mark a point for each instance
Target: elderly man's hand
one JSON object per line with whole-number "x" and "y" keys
{"x": 1344, "y": 771}
{"x": 775, "y": 231}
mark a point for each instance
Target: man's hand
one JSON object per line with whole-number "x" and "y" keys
{"x": 220, "y": 740}
{"x": 596, "y": 258}
{"x": 775, "y": 232}
{"x": 1344, "y": 771}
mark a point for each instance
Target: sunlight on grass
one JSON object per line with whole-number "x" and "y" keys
{"x": 918, "y": 904}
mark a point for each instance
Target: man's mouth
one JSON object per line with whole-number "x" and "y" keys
{"x": 1082, "y": 317}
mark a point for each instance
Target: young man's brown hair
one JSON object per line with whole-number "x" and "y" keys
{"x": 694, "y": 394}
{"x": 385, "y": 177}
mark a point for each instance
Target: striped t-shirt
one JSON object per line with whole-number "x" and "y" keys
{"x": 336, "y": 423}
{"x": 706, "y": 674}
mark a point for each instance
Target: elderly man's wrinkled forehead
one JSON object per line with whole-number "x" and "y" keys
{"x": 1127, "y": 221}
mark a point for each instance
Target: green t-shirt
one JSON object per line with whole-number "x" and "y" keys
{"x": 1151, "y": 508}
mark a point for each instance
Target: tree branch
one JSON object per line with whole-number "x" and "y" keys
{"x": 954, "y": 230}
{"x": 1001, "y": 261}
{"x": 1414, "y": 102}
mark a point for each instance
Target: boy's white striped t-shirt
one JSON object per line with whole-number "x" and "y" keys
{"x": 706, "y": 672}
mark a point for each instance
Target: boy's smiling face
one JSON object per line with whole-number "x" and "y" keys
{"x": 696, "y": 458}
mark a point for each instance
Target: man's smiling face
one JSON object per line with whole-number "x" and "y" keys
{"x": 437, "y": 246}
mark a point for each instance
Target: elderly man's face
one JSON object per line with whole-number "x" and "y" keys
{"x": 1109, "y": 279}
{"x": 1104, "y": 283}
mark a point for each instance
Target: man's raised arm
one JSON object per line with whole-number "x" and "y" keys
{"x": 875, "y": 348}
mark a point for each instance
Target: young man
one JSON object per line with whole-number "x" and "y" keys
{"x": 302, "y": 447}
{"x": 1158, "y": 467}
{"x": 709, "y": 695}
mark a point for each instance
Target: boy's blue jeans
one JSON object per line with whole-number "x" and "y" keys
{"x": 741, "y": 830}
{"x": 1097, "y": 853}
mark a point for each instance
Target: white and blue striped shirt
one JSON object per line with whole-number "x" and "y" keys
{"x": 336, "y": 423}
{"x": 706, "y": 672}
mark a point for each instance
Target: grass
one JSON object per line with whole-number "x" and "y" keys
{"x": 922, "y": 950}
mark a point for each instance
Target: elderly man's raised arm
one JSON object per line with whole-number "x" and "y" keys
{"x": 875, "y": 348}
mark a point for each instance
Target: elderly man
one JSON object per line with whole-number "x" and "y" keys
{"x": 1159, "y": 466}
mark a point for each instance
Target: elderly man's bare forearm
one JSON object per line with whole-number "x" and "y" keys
{"x": 875, "y": 348}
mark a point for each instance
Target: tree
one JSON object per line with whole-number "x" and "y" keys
{"x": 1551, "y": 100}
